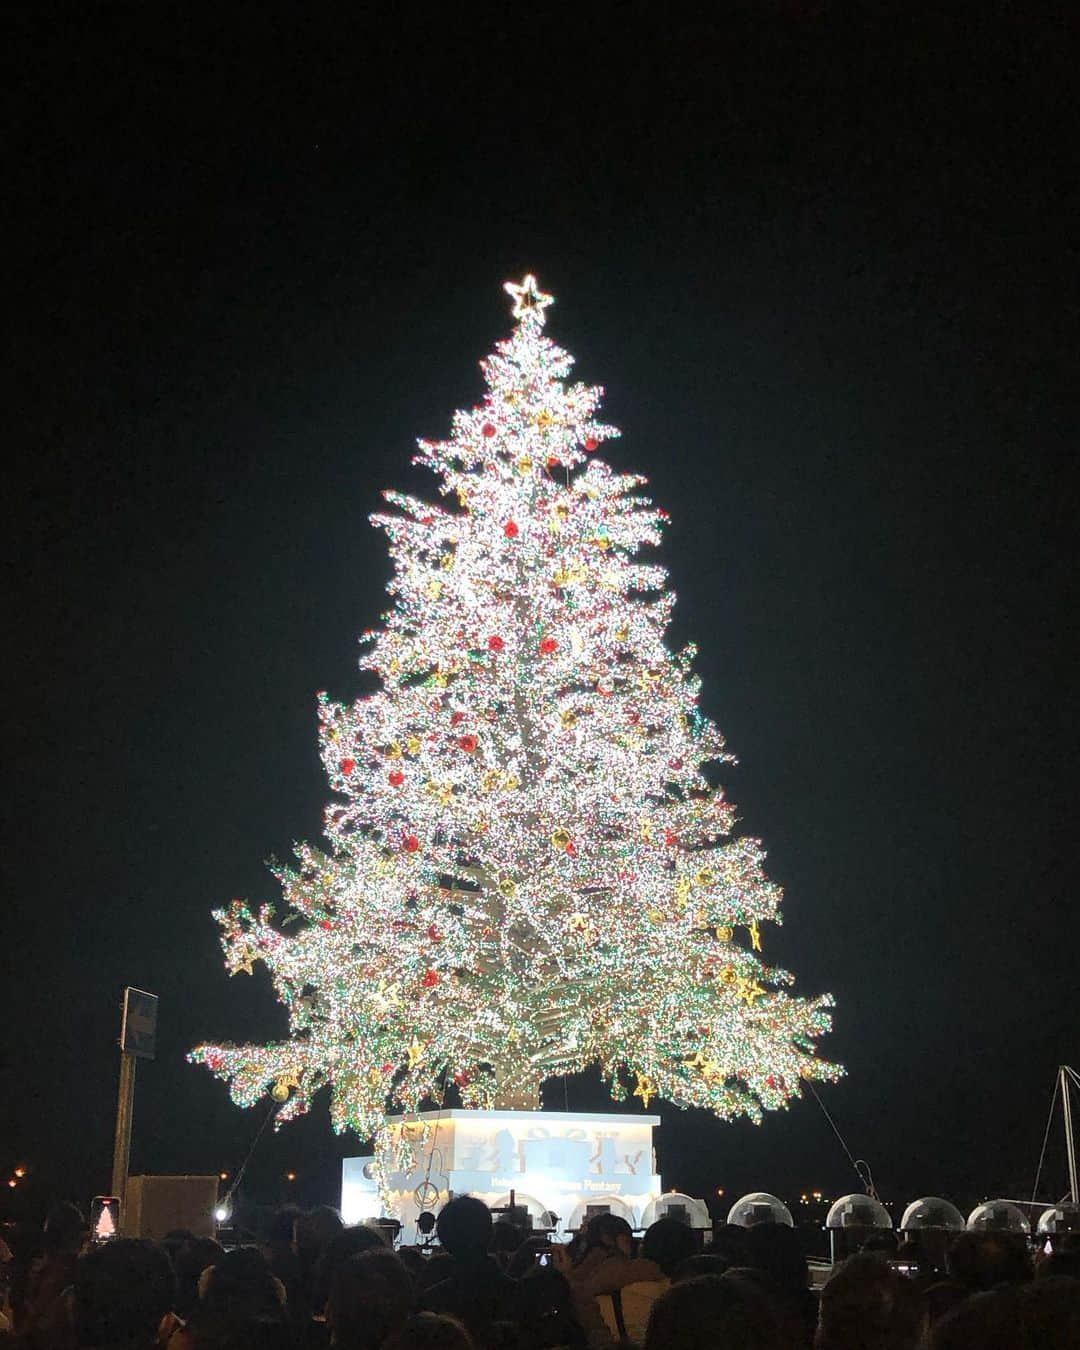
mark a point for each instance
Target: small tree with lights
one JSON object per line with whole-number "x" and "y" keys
{"x": 528, "y": 871}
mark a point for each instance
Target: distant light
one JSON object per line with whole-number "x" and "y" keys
{"x": 290, "y": 1176}
{"x": 221, "y": 1214}
{"x": 20, "y": 1172}
{"x": 719, "y": 1190}
{"x": 12, "y": 1183}
{"x": 224, "y": 1176}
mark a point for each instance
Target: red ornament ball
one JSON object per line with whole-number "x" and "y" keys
{"x": 462, "y": 1079}
{"x": 431, "y": 979}
{"x": 387, "y": 1068}
{"x": 554, "y": 462}
{"x": 468, "y": 743}
{"x": 456, "y": 718}
{"x": 410, "y": 843}
{"x": 510, "y": 529}
{"x": 395, "y": 777}
{"x": 670, "y": 838}
{"x": 495, "y": 643}
{"x": 675, "y": 763}
{"x": 488, "y": 430}
{"x": 591, "y": 444}
{"x": 347, "y": 766}
{"x": 549, "y": 645}
{"x": 435, "y": 933}
{"x": 571, "y": 849}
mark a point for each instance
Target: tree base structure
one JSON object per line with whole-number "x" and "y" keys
{"x": 566, "y": 1164}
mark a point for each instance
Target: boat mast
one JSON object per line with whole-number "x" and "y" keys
{"x": 1070, "y": 1142}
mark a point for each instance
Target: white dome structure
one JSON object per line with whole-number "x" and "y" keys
{"x": 857, "y": 1211}
{"x": 579, "y": 1215}
{"x": 694, "y": 1213}
{"x": 931, "y": 1212}
{"x": 1059, "y": 1219}
{"x": 759, "y": 1207}
{"x": 998, "y": 1216}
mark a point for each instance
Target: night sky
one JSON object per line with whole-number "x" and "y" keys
{"x": 823, "y": 258}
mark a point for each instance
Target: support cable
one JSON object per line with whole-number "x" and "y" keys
{"x": 1046, "y": 1138}
{"x": 860, "y": 1165}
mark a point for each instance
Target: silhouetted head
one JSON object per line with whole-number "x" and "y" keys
{"x": 123, "y": 1288}
{"x": 371, "y": 1298}
{"x": 866, "y": 1302}
{"x": 986, "y": 1260}
{"x": 545, "y": 1309}
{"x": 65, "y": 1230}
{"x": 349, "y": 1242}
{"x": 430, "y": 1331}
{"x": 506, "y": 1237}
{"x": 708, "y": 1312}
{"x": 189, "y": 1262}
{"x": 278, "y": 1229}
{"x": 610, "y": 1231}
{"x": 704, "y": 1263}
{"x": 464, "y": 1227}
{"x": 238, "y": 1287}
{"x": 669, "y": 1243}
{"x": 776, "y": 1250}
{"x": 313, "y": 1230}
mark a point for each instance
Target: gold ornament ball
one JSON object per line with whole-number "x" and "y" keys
{"x": 560, "y": 838}
{"x": 280, "y": 1091}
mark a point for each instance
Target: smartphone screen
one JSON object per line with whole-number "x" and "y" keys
{"x": 104, "y": 1217}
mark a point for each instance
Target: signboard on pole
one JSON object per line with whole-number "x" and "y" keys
{"x": 138, "y": 1029}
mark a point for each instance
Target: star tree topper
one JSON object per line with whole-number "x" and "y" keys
{"x": 528, "y": 297}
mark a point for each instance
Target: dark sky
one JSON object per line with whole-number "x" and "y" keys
{"x": 824, "y": 259}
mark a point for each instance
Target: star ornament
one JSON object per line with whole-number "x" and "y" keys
{"x": 646, "y": 1089}
{"x": 709, "y": 1068}
{"x": 749, "y": 991}
{"x": 528, "y": 298}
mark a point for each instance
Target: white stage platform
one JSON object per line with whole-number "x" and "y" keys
{"x": 558, "y": 1162}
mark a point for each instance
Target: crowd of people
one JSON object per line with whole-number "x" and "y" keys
{"x": 313, "y": 1283}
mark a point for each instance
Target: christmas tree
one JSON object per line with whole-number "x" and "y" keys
{"x": 529, "y": 868}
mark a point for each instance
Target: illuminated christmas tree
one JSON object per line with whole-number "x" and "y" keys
{"x": 528, "y": 869}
